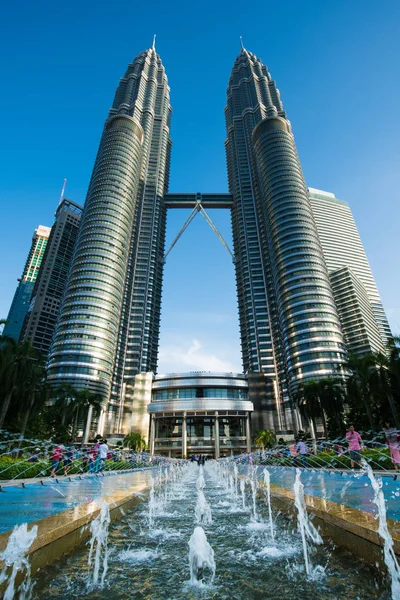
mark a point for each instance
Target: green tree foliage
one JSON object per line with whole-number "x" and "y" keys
{"x": 368, "y": 396}
{"x": 28, "y": 406}
{"x": 265, "y": 438}
{"x": 135, "y": 441}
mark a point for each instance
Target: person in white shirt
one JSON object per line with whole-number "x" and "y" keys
{"x": 103, "y": 450}
{"x": 302, "y": 451}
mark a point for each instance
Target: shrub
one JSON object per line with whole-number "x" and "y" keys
{"x": 14, "y": 468}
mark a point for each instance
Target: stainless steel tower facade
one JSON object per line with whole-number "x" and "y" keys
{"x": 108, "y": 324}
{"x": 289, "y": 324}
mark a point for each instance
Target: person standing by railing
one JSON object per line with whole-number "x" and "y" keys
{"x": 68, "y": 457}
{"x": 354, "y": 440}
{"x": 92, "y": 454}
{"x": 392, "y": 440}
{"x": 293, "y": 453}
{"x": 56, "y": 456}
{"x": 302, "y": 451}
{"x": 103, "y": 451}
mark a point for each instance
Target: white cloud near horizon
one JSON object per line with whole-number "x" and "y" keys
{"x": 191, "y": 355}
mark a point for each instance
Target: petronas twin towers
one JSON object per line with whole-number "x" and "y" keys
{"x": 108, "y": 328}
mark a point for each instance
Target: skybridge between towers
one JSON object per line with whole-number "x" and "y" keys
{"x": 190, "y": 200}
{"x": 198, "y": 203}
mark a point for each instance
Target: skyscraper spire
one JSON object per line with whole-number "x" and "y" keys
{"x": 241, "y": 42}
{"x": 154, "y": 42}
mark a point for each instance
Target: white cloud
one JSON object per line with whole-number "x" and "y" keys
{"x": 191, "y": 355}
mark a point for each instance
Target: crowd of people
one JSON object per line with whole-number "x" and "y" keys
{"x": 94, "y": 457}
{"x": 299, "y": 449}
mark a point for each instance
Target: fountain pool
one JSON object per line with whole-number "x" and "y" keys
{"x": 151, "y": 559}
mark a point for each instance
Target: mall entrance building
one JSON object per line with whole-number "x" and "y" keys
{"x": 200, "y": 413}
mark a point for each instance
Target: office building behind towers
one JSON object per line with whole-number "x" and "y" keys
{"x": 21, "y": 301}
{"x": 360, "y": 307}
{"x": 48, "y": 290}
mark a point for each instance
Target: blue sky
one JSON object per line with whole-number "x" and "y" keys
{"x": 336, "y": 65}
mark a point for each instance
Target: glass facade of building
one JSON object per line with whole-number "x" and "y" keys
{"x": 342, "y": 247}
{"x": 108, "y": 325}
{"x": 40, "y": 322}
{"x": 200, "y": 413}
{"x": 359, "y": 326}
{"x": 21, "y": 301}
{"x": 286, "y": 306}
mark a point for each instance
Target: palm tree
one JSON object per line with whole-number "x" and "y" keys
{"x": 265, "y": 438}
{"x": 309, "y": 403}
{"x": 85, "y": 402}
{"x": 360, "y": 381}
{"x": 382, "y": 383}
{"x": 35, "y": 397}
{"x": 331, "y": 396}
{"x": 135, "y": 441}
{"x": 16, "y": 365}
{"x": 65, "y": 402}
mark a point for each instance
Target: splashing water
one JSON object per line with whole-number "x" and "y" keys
{"x": 254, "y": 496}
{"x": 18, "y": 545}
{"x": 231, "y": 486}
{"x": 306, "y": 528}
{"x": 166, "y": 480}
{"x": 152, "y": 505}
{"x": 203, "y": 509}
{"x": 235, "y": 478}
{"x": 99, "y": 531}
{"x": 201, "y": 557}
{"x": 242, "y": 491}
{"x": 200, "y": 484}
{"x": 388, "y": 552}
{"x": 267, "y": 481}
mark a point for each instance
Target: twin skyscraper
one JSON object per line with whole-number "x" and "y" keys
{"x": 108, "y": 326}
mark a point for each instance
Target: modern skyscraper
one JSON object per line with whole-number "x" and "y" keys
{"x": 342, "y": 247}
{"x": 108, "y": 324}
{"x": 49, "y": 287}
{"x": 289, "y": 324}
{"x": 22, "y": 297}
{"x": 355, "y": 312}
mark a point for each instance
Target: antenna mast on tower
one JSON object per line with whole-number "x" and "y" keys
{"x": 62, "y": 191}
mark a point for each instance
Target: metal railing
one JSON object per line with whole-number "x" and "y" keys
{"x": 42, "y": 460}
{"x": 332, "y": 455}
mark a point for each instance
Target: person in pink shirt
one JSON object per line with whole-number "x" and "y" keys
{"x": 354, "y": 440}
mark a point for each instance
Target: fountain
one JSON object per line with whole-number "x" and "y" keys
{"x": 13, "y": 556}
{"x": 235, "y": 478}
{"x": 388, "y": 551}
{"x": 200, "y": 484}
{"x": 152, "y": 505}
{"x": 156, "y": 563}
{"x": 306, "y": 528}
{"x": 202, "y": 510}
{"x": 201, "y": 558}
{"x": 99, "y": 539}
{"x": 242, "y": 491}
{"x": 253, "y": 486}
{"x": 267, "y": 482}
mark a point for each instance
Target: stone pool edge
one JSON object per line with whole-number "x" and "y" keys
{"x": 60, "y": 533}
